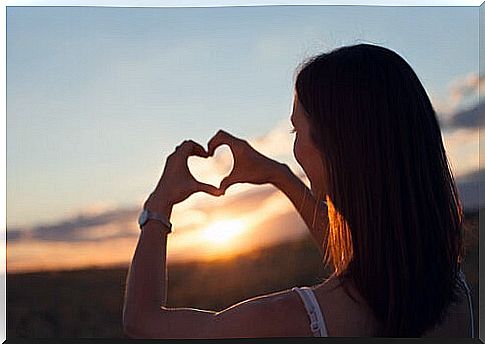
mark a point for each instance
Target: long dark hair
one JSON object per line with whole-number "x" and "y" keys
{"x": 395, "y": 219}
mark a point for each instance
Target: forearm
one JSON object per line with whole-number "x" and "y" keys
{"x": 146, "y": 281}
{"x": 314, "y": 216}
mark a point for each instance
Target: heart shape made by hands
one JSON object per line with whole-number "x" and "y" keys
{"x": 213, "y": 169}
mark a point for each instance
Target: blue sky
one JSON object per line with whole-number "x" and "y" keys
{"x": 97, "y": 97}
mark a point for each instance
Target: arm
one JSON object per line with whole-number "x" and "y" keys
{"x": 278, "y": 314}
{"x": 250, "y": 166}
{"x": 146, "y": 281}
{"x": 145, "y": 314}
{"x": 315, "y": 217}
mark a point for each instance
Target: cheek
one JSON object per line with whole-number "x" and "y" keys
{"x": 302, "y": 146}
{"x": 297, "y": 150}
{"x": 307, "y": 156}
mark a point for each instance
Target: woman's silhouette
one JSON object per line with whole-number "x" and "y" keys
{"x": 383, "y": 208}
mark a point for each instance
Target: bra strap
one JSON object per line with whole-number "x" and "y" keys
{"x": 317, "y": 322}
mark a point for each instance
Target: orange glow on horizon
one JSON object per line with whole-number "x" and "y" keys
{"x": 222, "y": 232}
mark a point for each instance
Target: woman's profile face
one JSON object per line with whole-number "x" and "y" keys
{"x": 304, "y": 149}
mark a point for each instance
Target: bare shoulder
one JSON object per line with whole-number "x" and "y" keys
{"x": 278, "y": 314}
{"x": 344, "y": 315}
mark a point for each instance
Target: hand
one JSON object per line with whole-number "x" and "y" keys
{"x": 250, "y": 166}
{"x": 177, "y": 183}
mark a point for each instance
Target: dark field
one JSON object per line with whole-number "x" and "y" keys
{"x": 88, "y": 303}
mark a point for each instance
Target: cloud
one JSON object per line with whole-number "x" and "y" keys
{"x": 462, "y": 106}
{"x": 278, "y": 142}
{"x": 278, "y": 145}
{"x": 465, "y": 86}
{"x": 242, "y": 201}
{"x": 468, "y": 118}
{"x": 462, "y": 149}
{"x": 468, "y": 187}
{"x": 79, "y": 227}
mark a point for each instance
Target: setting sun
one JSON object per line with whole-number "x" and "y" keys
{"x": 224, "y": 231}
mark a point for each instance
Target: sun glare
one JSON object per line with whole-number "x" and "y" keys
{"x": 222, "y": 232}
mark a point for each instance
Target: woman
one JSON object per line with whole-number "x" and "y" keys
{"x": 390, "y": 222}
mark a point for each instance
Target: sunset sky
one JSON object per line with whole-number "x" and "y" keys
{"x": 98, "y": 97}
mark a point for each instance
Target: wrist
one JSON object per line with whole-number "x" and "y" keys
{"x": 159, "y": 204}
{"x": 156, "y": 227}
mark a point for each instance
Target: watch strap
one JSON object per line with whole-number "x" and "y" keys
{"x": 158, "y": 217}
{"x": 168, "y": 230}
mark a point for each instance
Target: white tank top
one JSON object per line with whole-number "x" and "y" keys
{"x": 317, "y": 321}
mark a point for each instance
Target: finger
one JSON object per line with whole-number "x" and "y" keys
{"x": 220, "y": 138}
{"x": 180, "y": 145}
{"x": 227, "y": 182}
{"x": 207, "y": 188}
{"x": 190, "y": 147}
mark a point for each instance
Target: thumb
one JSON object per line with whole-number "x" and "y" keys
{"x": 226, "y": 182}
{"x": 207, "y": 188}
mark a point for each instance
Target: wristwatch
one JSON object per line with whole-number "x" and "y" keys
{"x": 147, "y": 215}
